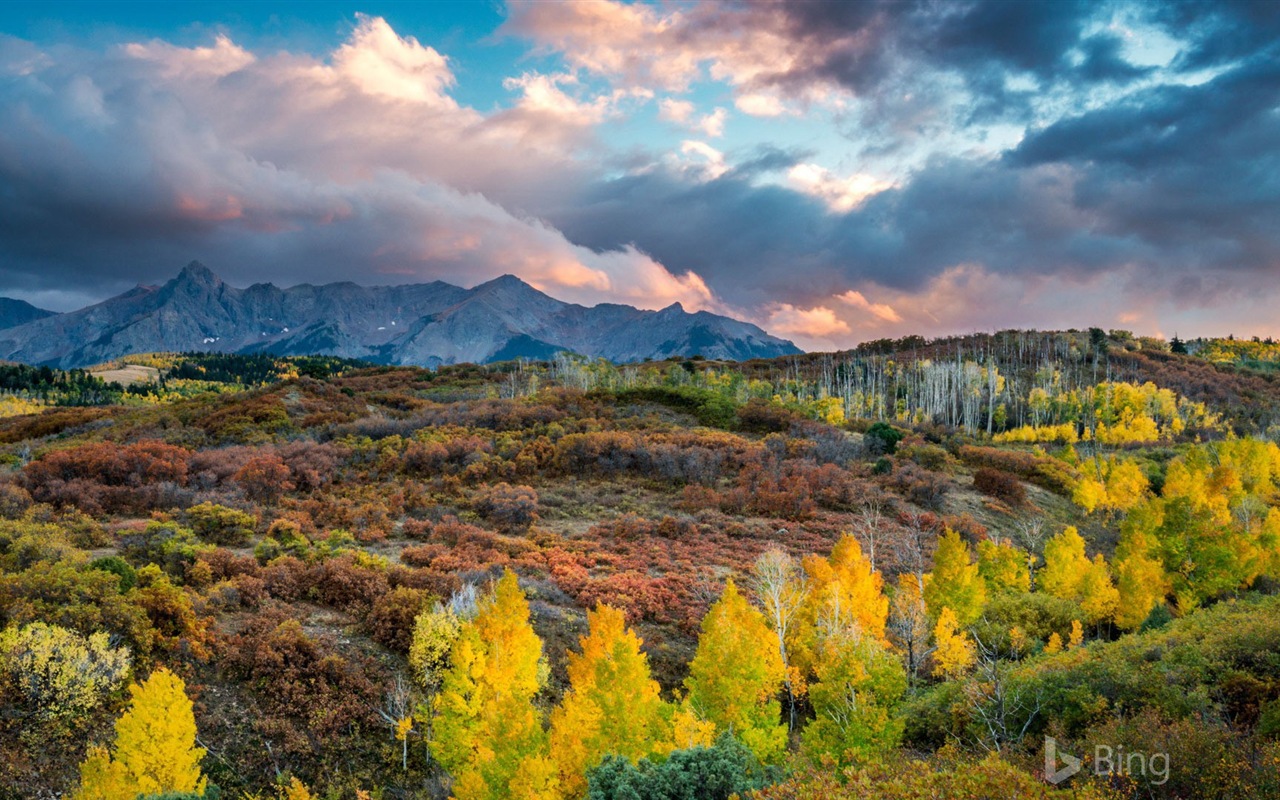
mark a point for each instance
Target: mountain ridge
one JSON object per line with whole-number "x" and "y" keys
{"x": 19, "y": 312}
{"x": 428, "y": 324}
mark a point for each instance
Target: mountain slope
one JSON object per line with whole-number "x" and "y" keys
{"x": 423, "y": 324}
{"x": 19, "y": 312}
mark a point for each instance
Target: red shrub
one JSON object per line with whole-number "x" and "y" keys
{"x": 108, "y": 477}
{"x": 264, "y": 478}
{"x": 301, "y": 680}
{"x": 1001, "y": 485}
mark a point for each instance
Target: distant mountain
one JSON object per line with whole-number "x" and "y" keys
{"x": 424, "y": 324}
{"x": 18, "y": 312}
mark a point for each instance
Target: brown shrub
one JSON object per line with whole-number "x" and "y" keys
{"x": 1000, "y": 485}
{"x": 511, "y": 507}
{"x": 107, "y": 477}
{"x": 390, "y": 621}
{"x": 300, "y": 679}
{"x": 264, "y": 478}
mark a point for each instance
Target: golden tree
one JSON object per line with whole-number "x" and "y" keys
{"x": 488, "y": 733}
{"x": 1141, "y": 577}
{"x": 736, "y": 673}
{"x": 1003, "y": 567}
{"x": 1069, "y": 574}
{"x": 155, "y": 748}
{"x": 955, "y": 582}
{"x": 844, "y": 593}
{"x": 612, "y": 705}
{"x": 955, "y": 652}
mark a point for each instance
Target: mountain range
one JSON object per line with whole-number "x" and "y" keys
{"x": 422, "y": 324}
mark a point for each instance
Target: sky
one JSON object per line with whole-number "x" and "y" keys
{"x": 832, "y": 171}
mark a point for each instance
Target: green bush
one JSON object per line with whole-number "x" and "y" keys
{"x": 718, "y": 772}
{"x": 882, "y": 437}
{"x": 221, "y": 525}
{"x": 120, "y": 568}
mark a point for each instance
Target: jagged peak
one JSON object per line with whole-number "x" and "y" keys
{"x": 674, "y": 308}
{"x": 198, "y": 273}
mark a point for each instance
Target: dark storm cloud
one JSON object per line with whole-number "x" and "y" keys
{"x": 879, "y": 48}
{"x": 1191, "y": 170}
{"x": 753, "y": 243}
{"x": 1170, "y": 178}
{"x": 1175, "y": 179}
{"x": 1220, "y": 31}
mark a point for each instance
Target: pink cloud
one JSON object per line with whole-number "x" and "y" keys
{"x": 749, "y": 46}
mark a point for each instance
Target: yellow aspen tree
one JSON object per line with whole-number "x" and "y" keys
{"x": 295, "y": 790}
{"x": 736, "y": 673}
{"x": 1077, "y": 634}
{"x": 1269, "y": 543}
{"x": 1054, "y": 644}
{"x": 1065, "y": 565}
{"x": 844, "y": 592}
{"x": 860, "y": 683}
{"x": 1098, "y": 595}
{"x": 1127, "y": 485}
{"x": 488, "y": 734}
{"x": 434, "y": 632}
{"x": 781, "y": 587}
{"x": 1141, "y": 580}
{"x": 613, "y": 705}
{"x": 155, "y": 747}
{"x": 690, "y": 730}
{"x": 1089, "y": 494}
{"x": 954, "y": 582}
{"x": 909, "y": 624}
{"x": 1003, "y": 567}
{"x": 955, "y": 652}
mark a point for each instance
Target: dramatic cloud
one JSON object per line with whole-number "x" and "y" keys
{"x": 360, "y": 165}
{"x": 833, "y": 171}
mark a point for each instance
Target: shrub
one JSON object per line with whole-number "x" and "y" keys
{"x": 304, "y": 686}
{"x": 167, "y": 544}
{"x": 1000, "y": 485}
{"x": 59, "y": 674}
{"x": 221, "y": 525}
{"x": 760, "y": 416}
{"x": 120, "y": 568}
{"x": 882, "y": 437}
{"x": 265, "y": 478}
{"x": 108, "y": 477}
{"x": 87, "y": 601}
{"x": 391, "y": 620}
{"x": 514, "y": 507}
{"x": 726, "y": 769}
{"x": 1043, "y": 471}
{"x": 925, "y": 489}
